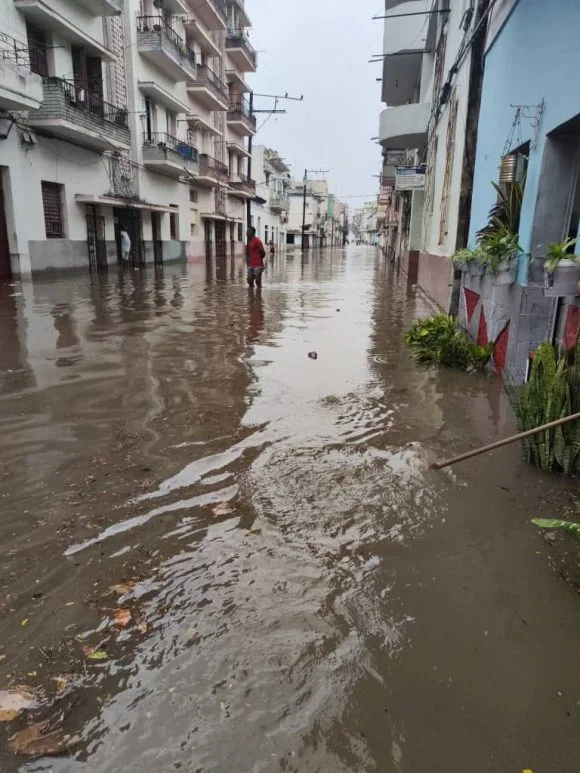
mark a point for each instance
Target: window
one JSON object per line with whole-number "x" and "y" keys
{"x": 53, "y": 214}
{"x": 240, "y": 232}
{"x": 193, "y": 197}
{"x": 192, "y": 229}
{"x": 173, "y": 227}
{"x": 37, "y": 50}
{"x": 266, "y": 230}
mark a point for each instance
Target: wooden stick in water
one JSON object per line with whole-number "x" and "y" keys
{"x": 505, "y": 442}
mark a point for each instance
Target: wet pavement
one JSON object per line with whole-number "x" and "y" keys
{"x": 298, "y": 591}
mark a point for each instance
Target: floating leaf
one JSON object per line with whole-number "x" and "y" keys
{"x": 549, "y": 523}
{"x": 37, "y": 740}
{"x": 122, "y": 588}
{"x": 2, "y": 657}
{"x": 122, "y": 617}
{"x": 221, "y": 509}
{"x": 12, "y": 702}
{"x": 95, "y": 654}
{"x": 24, "y": 622}
{"x": 61, "y": 683}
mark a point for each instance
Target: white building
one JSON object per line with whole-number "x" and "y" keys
{"x": 310, "y": 210}
{"x": 431, "y": 73}
{"x": 365, "y": 224}
{"x": 271, "y": 206}
{"x": 122, "y": 112}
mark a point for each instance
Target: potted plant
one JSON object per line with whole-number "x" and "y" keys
{"x": 469, "y": 261}
{"x": 501, "y": 252}
{"x": 561, "y": 269}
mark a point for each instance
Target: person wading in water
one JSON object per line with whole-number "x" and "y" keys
{"x": 256, "y": 255}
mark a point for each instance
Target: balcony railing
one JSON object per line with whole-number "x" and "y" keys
{"x": 211, "y": 167}
{"x": 279, "y": 202}
{"x": 166, "y": 141}
{"x": 12, "y": 50}
{"x": 157, "y": 25}
{"x": 240, "y": 110}
{"x": 207, "y": 76}
{"x": 240, "y": 182}
{"x": 81, "y": 99}
{"x": 239, "y": 39}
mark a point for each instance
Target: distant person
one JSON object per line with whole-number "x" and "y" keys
{"x": 256, "y": 255}
{"x": 125, "y": 244}
{"x": 272, "y": 249}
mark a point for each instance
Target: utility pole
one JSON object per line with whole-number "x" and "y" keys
{"x": 253, "y": 113}
{"x": 306, "y": 172}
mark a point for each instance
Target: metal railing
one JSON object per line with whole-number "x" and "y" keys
{"x": 239, "y": 39}
{"x": 278, "y": 200}
{"x": 211, "y": 167}
{"x": 167, "y": 141}
{"x": 158, "y": 24}
{"x": 204, "y": 74}
{"x": 12, "y": 50}
{"x": 242, "y": 181}
{"x": 240, "y": 108}
{"x": 82, "y": 99}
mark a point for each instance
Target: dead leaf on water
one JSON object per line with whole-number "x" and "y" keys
{"x": 122, "y": 617}
{"x": 37, "y": 740}
{"x": 121, "y": 589}
{"x": 142, "y": 627}
{"x": 24, "y": 622}
{"x": 2, "y": 657}
{"x": 221, "y": 509}
{"x": 12, "y": 702}
{"x": 61, "y": 683}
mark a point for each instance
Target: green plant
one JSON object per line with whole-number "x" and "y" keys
{"x": 499, "y": 246}
{"x": 507, "y": 210}
{"x": 568, "y": 526}
{"x": 440, "y": 339}
{"x": 559, "y": 251}
{"x": 552, "y": 392}
{"x": 465, "y": 256}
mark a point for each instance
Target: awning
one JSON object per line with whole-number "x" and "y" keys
{"x": 110, "y": 201}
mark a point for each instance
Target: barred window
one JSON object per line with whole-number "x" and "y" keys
{"x": 53, "y": 214}
{"x": 240, "y": 232}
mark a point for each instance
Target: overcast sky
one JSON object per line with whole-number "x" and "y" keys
{"x": 321, "y": 48}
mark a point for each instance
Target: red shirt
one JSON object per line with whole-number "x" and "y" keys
{"x": 256, "y": 253}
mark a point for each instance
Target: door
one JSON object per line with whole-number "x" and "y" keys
{"x": 96, "y": 242}
{"x": 5, "y": 264}
{"x": 207, "y": 238}
{"x": 157, "y": 243}
{"x": 130, "y": 219}
{"x": 220, "y": 239}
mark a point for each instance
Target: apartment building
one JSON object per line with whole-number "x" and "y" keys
{"x": 122, "y": 113}
{"x": 271, "y": 206}
{"x": 432, "y": 70}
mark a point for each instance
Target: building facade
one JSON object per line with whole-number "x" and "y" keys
{"x": 271, "y": 207}
{"x": 122, "y": 113}
{"x": 530, "y": 111}
{"x": 312, "y": 209}
{"x": 431, "y": 85}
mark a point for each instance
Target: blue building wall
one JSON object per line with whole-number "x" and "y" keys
{"x": 534, "y": 57}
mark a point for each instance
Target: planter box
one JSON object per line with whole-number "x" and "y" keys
{"x": 506, "y": 274}
{"x": 563, "y": 281}
{"x": 475, "y": 269}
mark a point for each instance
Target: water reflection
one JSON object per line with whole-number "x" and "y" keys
{"x": 306, "y": 595}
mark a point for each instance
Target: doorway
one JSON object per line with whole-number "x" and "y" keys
{"x": 220, "y": 239}
{"x": 131, "y": 220}
{"x": 207, "y": 239}
{"x": 156, "y": 235}
{"x": 5, "y": 263}
{"x": 96, "y": 240}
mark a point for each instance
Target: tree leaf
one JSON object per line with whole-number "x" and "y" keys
{"x": 568, "y": 526}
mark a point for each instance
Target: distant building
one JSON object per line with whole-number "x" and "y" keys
{"x": 271, "y": 206}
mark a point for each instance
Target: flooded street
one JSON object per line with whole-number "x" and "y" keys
{"x": 305, "y": 595}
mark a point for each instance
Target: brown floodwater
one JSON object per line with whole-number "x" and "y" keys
{"x": 304, "y": 594}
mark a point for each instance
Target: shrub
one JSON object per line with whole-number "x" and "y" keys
{"x": 466, "y": 256}
{"x": 440, "y": 339}
{"x": 552, "y": 392}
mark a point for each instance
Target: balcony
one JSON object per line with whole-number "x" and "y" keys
{"x": 240, "y": 52}
{"x": 240, "y": 118}
{"x": 242, "y": 187}
{"x": 169, "y": 155}
{"x": 405, "y": 127}
{"x": 209, "y": 89}
{"x": 213, "y": 14}
{"x": 236, "y": 79}
{"x": 77, "y": 115}
{"x": 279, "y": 203}
{"x": 158, "y": 42}
{"x": 242, "y": 14}
{"x": 45, "y": 14}
{"x": 238, "y": 149}
{"x": 20, "y": 89}
{"x": 102, "y": 7}
{"x": 196, "y": 32}
{"x": 211, "y": 171}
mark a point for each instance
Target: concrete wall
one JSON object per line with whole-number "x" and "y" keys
{"x": 528, "y": 61}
